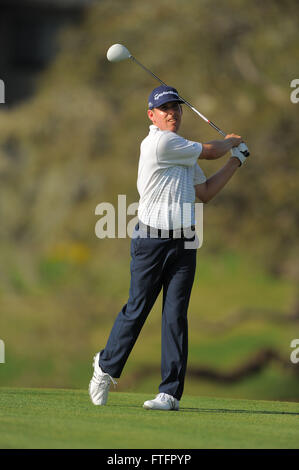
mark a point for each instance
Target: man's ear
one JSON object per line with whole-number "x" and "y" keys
{"x": 150, "y": 114}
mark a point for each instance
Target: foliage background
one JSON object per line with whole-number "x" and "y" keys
{"x": 75, "y": 143}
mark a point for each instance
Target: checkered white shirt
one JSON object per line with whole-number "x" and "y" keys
{"x": 167, "y": 173}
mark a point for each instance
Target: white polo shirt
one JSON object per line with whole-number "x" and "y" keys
{"x": 167, "y": 173}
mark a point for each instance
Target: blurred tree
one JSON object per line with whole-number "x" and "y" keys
{"x": 76, "y": 142}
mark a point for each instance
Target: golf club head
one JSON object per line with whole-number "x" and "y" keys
{"x": 118, "y": 52}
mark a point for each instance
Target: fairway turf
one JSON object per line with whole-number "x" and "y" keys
{"x": 58, "y": 418}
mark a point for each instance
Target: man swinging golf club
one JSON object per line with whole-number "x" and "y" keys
{"x": 168, "y": 177}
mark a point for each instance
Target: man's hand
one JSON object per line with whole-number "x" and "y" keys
{"x": 235, "y": 140}
{"x": 239, "y": 149}
{"x": 236, "y": 153}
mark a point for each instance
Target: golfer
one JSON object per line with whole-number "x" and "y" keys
{"x": 169, "y": 177}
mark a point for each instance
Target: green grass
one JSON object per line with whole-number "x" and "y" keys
{"x": 52, "y": 331}
{"x": 58, "y": 418}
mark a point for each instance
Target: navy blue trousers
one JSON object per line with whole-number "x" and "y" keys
{"x": 156, "y": 263}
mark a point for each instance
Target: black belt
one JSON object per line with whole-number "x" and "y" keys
{"x": 152, "y": 232}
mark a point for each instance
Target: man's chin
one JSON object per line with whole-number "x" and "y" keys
{"x": 174, "y": 127}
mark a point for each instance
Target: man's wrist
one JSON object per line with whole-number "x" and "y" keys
{"x": 229, "y": 143}
{"x": 235, "y": 161}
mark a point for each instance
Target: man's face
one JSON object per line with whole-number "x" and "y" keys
{"x": 167, "y": 117}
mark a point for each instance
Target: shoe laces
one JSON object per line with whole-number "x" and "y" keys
{"x": 103, "y": 380}
{"x": 165, "y": 397}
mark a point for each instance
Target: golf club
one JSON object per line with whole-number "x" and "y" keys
{"x": 118, "y": 52}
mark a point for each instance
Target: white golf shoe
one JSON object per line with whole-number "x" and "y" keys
{"x": 163, "y": 401}
{"x": 100, "y": 383}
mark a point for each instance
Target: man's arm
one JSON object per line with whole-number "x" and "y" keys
{"x": 218, "y": 148}
{"x": 206, "y": 191}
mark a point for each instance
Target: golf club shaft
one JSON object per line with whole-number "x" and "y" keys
{"x": 186, "y": 102}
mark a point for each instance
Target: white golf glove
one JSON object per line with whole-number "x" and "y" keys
{"x": 241, "y": 152}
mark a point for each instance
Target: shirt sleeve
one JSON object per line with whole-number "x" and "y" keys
{"x": 199, "y": 176}
{"x": 175, "y": 150}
